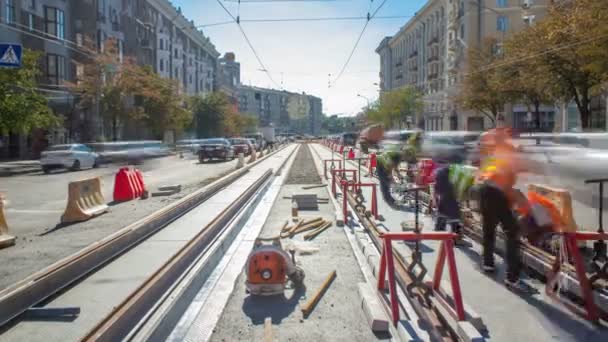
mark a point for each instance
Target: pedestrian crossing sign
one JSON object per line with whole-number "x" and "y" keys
{"x": 10, "y": 55}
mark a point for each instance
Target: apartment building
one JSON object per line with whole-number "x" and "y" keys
{"x": 288, "y": 112}
{"x": 429, "y": 53}
{"x": 154, "y": 32}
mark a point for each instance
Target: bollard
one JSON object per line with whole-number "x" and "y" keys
{"x": 5, "y": 239}
{"x": 253, "y": 156}
{"x": 241, "y": 161}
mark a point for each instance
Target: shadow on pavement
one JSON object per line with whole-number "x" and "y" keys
{"x": 277, "y": 307}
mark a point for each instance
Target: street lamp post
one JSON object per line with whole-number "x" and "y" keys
{"x": 366, "y": 99}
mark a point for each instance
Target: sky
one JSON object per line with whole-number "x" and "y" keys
{"x": 301, "y": 55}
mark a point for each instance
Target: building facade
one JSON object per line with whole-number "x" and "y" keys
{"x": 288, "y": 112}
{"x": 429, "y": 53}
{"x": 153, "y": 32}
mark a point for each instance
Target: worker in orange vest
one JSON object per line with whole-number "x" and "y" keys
{"x": 498, "y": 175}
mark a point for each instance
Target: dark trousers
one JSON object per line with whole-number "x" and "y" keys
{"x": 385, "y": 186}
{"x": 495, "y": 209}
{"x": 447, "y": 204}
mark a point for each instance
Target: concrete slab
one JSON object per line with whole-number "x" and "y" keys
{"x": 376, "y": 316}
{"x": 337, "y": 317}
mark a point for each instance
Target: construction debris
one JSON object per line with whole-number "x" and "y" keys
{"x": 314, "y": 233}
{"x": 308, "y": 187}
{"x": 307, "y": 201}
{"x": 310, "y": 305}
{"x": 167, "y": 190}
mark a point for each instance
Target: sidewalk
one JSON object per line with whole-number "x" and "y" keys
{"x": 19, "y": 167}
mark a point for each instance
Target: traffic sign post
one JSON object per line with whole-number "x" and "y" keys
{"x": 10, "y": 55}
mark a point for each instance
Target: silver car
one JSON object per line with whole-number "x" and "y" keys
{"x": 71, "y": 156}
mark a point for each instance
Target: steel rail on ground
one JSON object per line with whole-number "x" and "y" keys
{"x": 42, "y": 285}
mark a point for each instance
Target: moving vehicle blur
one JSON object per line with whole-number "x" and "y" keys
{"x": 130, "y": 151}
{"x": 72, "y": 157}
{"x": 370, "y": 137}
{"x": 216, "y": 148}
{"x": 259, "y": 139}
{"x": 442, "y": 146}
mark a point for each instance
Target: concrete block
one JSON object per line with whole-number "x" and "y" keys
{"x": 376, "y": 316}
{"x": 339, "y": 218}
{"x": 465, "y": 330}
{"x": 471, "y": 316}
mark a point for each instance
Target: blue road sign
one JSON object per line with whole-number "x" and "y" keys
{"x": 10, "y": 55}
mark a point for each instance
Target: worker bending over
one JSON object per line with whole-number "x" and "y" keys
{"x": 388, "y": 162}
{"x": 452, "y": 183}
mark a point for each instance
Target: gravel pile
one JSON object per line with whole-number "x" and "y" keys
{"x": 303, "y": 170}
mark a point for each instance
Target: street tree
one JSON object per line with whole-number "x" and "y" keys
{"x": 112, "y": 84}
{"x": 164, "y": 106}
{"x": 568, "y": 50}
{"x": 209, "y": 111}
{"x": 396, "y": 107}
{"x": 482, "y": 89}
{"x": 22, "y": 107}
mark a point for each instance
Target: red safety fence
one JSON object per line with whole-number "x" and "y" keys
{"x": 446, "y": 254}
{"x": 571, "y": 240}
{"x": 356, "y": 187}
{"x": 342, "y": 174}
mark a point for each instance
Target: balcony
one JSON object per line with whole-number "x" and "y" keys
{"x": 399, "y": 64}
{"x": 434, "y": 40}
{"x": 413, "y": 54}
{"x": 433, "y": 59}
{"x": 145, "y": 43}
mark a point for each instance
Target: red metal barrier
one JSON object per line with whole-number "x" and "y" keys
{"x": 343, "y": 176}
{"x": 591, "y": 311}
{"x": 325, "y": 161}
{"x": 446, "y": 253}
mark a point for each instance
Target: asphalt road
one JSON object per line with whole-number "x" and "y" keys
{"x": 36, "y": 201}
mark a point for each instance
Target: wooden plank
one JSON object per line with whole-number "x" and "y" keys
{"x": 310, "y": 305}
{"x": 268, "y": 336}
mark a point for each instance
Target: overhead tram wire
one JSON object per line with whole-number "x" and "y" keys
{"x": 272, "y": 20}
{"x": 352, "y": 52}
{"x": 237, "y": 21}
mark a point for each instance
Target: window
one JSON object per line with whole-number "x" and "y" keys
{"x": 462, "y": 31}
{"x": 177, "y": 73}
{"x": 30, "y": 21}
{"x": 529, "y": 19}
{"x": 502, "y": 23}
{"x": 501, "y": 3}
{"x": 55, "y": 68}
{"x": 9, "y": 11}
{"x": 162, "y": 65}
{"x": 54, "y": 22}
{"x": 79, "y": 39}
{"x": 175, "y": 53}
{"x": 161, "y": 44}
{"x": 190, "y": 79}
{"x": 32, "y": 4}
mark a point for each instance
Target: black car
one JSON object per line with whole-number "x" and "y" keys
{"x": 218, "y": 148}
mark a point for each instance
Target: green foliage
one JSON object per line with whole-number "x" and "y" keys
{"x": 22, "y": 108}
{"x": 565, "y": 54}
{"x": 395, "y": 107}
{"x": 483, "y": 86}
{"x": 214, "y": 116}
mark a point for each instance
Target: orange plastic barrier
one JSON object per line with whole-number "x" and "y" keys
{"x": 5, "y": 239}
{"x": 85, "y": 200}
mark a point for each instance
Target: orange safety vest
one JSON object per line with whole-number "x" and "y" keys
{"x": 536, "y": 198}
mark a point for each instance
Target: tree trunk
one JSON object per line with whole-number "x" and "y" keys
{"x": 114, "y": 127}
{"x": 537, "y": 114}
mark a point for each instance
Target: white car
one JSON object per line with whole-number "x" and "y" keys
{"x": 72, "y": 156}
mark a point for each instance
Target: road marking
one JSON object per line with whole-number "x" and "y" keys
{"x": 28, "y": 211}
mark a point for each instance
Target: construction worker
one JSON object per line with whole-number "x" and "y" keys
{"x": 497, "y": 198}
{"x": 452, "y": 183}
{"x": 388, "y": 162}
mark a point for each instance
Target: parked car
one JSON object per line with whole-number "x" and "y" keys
{"x": 241, "y": 145}
{"x": 218, "y": 148}
{"x": 71, "y": 156}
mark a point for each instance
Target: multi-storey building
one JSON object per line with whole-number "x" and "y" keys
{"x": 154, "y": 32}
{"x": 429, "y": 53}
{"x": 288, "y": 112}
{"x": 229, "y": 75}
